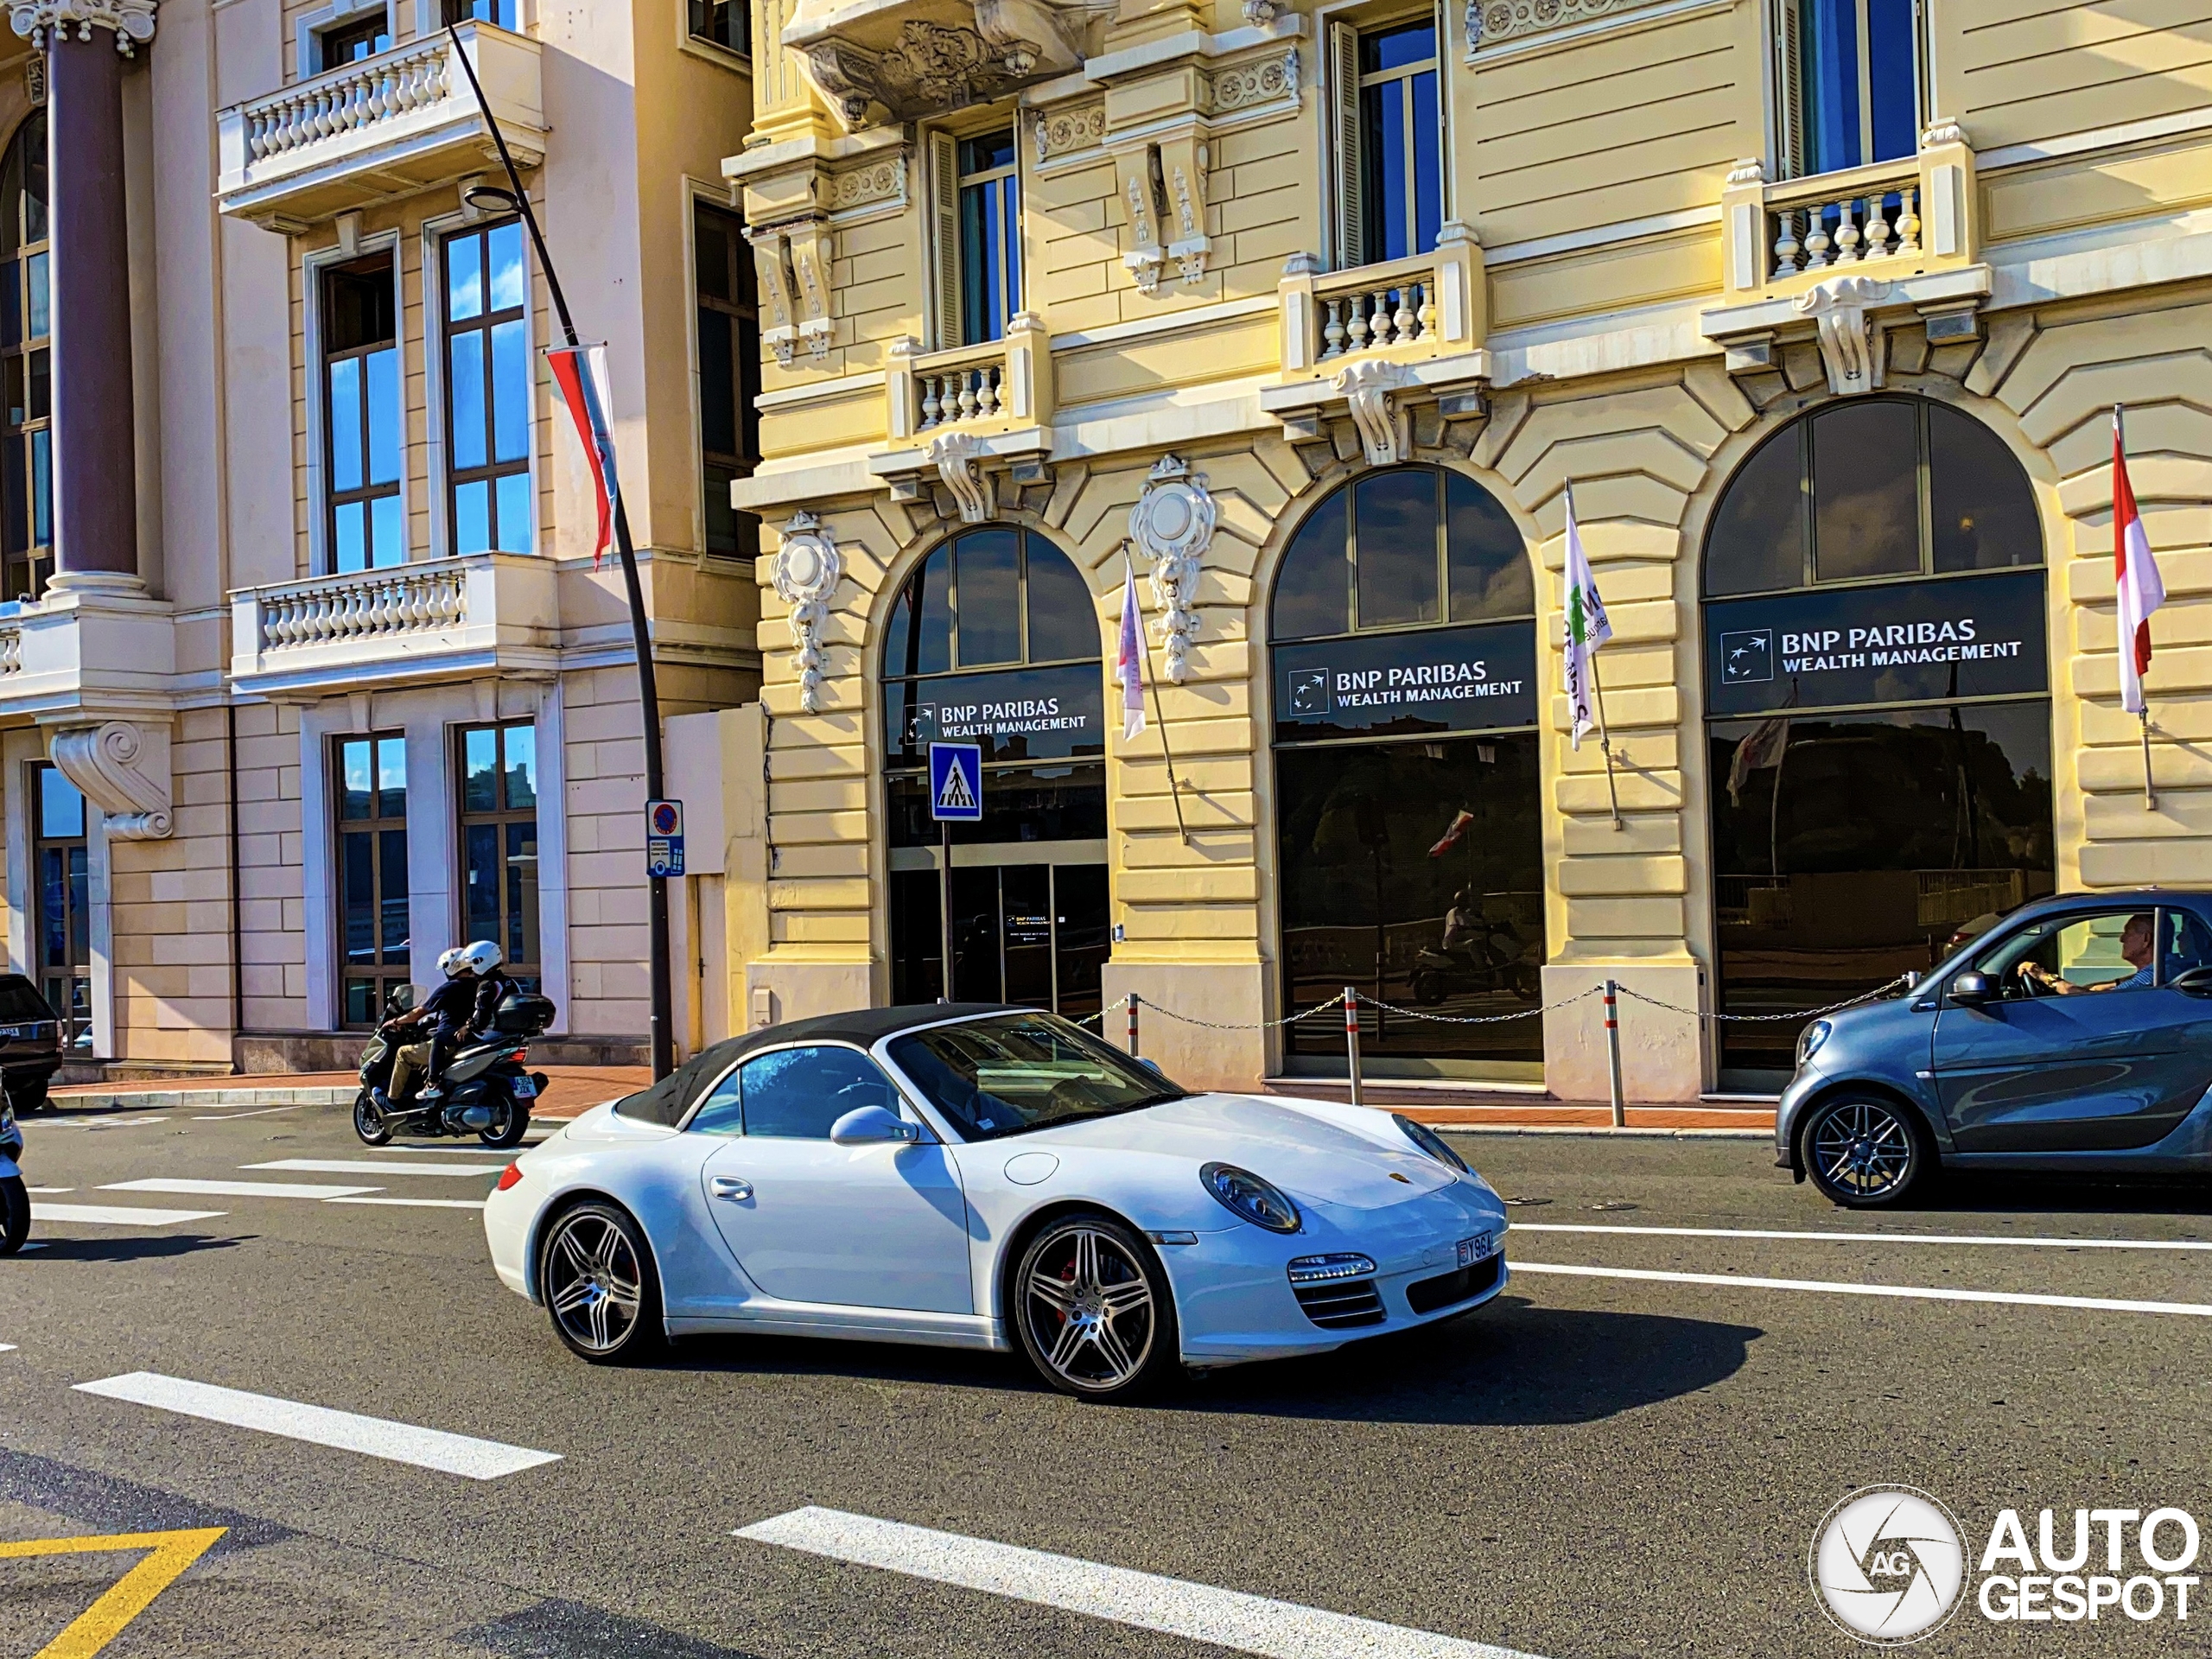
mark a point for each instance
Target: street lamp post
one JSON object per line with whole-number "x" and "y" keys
{"x": 514, "y": 198}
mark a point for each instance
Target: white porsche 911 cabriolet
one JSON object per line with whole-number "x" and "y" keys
{"x": 984, "y": 1177}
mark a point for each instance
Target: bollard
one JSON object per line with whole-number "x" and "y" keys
{"x": 1133, "y": 1024}
{"x": 1614, "y": 1052}
{"x": 1351, "y": 1039}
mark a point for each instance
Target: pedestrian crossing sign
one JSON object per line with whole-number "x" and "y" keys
{"x": 957, "y": 783}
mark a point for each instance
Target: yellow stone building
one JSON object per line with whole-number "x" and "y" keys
{"x": 1311, "y": 318}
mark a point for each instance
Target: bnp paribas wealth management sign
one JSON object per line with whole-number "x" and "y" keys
{"x": 1979, "y": 636}
{"x": 1027, "y": 714}
{"x": 1476, "y": 678}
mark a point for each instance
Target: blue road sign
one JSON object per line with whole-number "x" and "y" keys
{"x": 957, "y": 783}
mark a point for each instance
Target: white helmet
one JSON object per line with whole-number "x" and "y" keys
{"x": 449, "y": 963}
{"x": 479, "y": 958}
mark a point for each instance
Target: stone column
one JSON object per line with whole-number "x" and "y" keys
{"x": 95, "y": 490}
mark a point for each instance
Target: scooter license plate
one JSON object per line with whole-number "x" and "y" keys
{"x": 525, "y": 1088}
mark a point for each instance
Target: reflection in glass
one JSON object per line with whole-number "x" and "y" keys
{"x": 480, "y": 751}
{"x": 1394, "y": 518}
{"x": 1489, "y": 575}
{"x": 1757, "y": 543}
{"x": 987, "y": 567}
{"x": 1981, "y": 515}
{"x": 1314, "y": 591}
{"x": 920, "y": 638}
{"x": 1021, "y": 803}
{"x": 1866, "y": 499}
{"x": 1063, "y": 619}
{"x": 520, "y": 743}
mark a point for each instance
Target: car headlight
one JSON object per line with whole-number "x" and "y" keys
{"x": 1431, "y": 1143}
{"x": 7, "y": 1121}
{"x": 1250, "y": 1198}
{"x": 1810, "y": 1038}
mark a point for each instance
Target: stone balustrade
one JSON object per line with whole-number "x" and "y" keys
{"x": 997, "y": 385}
{"x": 382, "y": 88}
{"x": 1430, "y": 305}
{"x": 11, "y": 650}
{"x": 370, "y": 605}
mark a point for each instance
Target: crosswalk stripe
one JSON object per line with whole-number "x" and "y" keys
{"x": 117, "y": 1215}
{"x": 1198, "y": 1612}
{"x": 374, "y": 1437}
{"x": 236, "y": 1189}
{"x": 416, "y": 1204}
{"x": 1835, "y": 1287}
{"x": 362, "y": 1167}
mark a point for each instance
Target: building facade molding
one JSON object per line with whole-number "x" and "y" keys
{"x": 133, "y": 22}
{"x": 806, "y": 572}
{"x": 1172, "y": 524}
{"x": 122, "y": 767}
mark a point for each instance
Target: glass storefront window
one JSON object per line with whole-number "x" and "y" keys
{"x": 499, "y": 843}
{"x": 372, "y": 903}
{"x": 1408, "y": 806}
{"x": 1878, "y": 723}
{"x": 62, "y": 929}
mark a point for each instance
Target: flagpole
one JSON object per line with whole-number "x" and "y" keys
{"x": 1605, "y": 739}
{"x": 661, "y": 1018}
{"x": 1159, "y": 718}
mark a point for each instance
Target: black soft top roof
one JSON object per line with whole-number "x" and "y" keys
{"x": 667, "y": 1100}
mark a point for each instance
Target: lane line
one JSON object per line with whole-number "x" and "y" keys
{"x": 362, "y": 1167}
{"x": 265, "y": 1111}
{"x": 1872, "y": 1238}
{"x": 114, "y": 1123}
{"x": 116, "y": 1214}
{"x": 416, "y": 1204}
{"x": 1922, "y": 1292}
{"x": 49, "y": 1189}
{"x": 1198, "y": 1612}
{"x": 236, "y": 1189}
{"x": 372, "y": 1437}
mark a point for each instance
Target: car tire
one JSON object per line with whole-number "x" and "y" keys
{"x": 1094, "y": 1309}
{"x": 29, "y": 1097}
{"x": 596, "y": 1278}
{"x": 508, "y": 1126}
{"x": 370, "y": 1123}
{"x": 15, "y": 1215}
{"x": 1865, "y": 1150}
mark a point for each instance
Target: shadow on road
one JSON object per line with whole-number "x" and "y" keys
{"x": 1960, "y": 1191}
{"x": 574, "y": 1629}
{"x": 124, "y": 1250}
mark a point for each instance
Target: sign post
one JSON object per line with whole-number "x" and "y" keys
{"x": 955, "y": 797}
{"x": 664, "y": 839}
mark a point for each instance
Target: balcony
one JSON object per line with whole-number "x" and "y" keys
{"x": 1841, "y": 258}
{"x": 443, "y": 620}
{"x": 953, "y": 412}
{"x": 391, "y": 125}
{"x": 104, "y": 648}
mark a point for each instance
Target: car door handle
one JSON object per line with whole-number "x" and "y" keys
{"x": 728, "y": 1186}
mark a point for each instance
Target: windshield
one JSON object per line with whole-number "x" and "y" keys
{"x": 1022, "y": 1072}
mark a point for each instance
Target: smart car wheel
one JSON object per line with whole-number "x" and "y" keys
{"x": 1864, "y": 1152}
{"x": 1094, "y": 1311}
{"x": 595, "y": 1273}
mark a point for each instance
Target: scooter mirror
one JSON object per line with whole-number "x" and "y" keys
{"x": 399, "y": 1000}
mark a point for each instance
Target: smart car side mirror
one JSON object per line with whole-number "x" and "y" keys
{"x": 1972, "y": 989}
{"x": 867, "y": 1126}
{"x": 2197, "y": 982}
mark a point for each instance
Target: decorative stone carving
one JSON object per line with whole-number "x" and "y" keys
{"x": 1488, "y": 21}
{"x": 1750, "y": 170}
{"x": 1248, "y": 85}
{"x": 1368, "y": 387}
{"x": 1068, "y": 132}
{"x": 1851, "y": 345}
{"x": 959, "y": 457}
{"x": 35, "y": 79}
{"x": 807, "y": 569}
{"x": 1190, "y": 246}
{"x": 917, "y": 57}
{"x": 132, "y": 20}
{"x": 879, "y": 183}
{"x": 1941, "y": 131}
{"x": 1171, "y": 524}
{"x": 124, "y": 769}
{"x": 1144, "y": 259}
{"x": 1261, "y": 13}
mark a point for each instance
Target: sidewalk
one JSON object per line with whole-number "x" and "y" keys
{"x": 570, "y": 1090}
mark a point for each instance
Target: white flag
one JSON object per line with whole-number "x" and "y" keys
{"x": 1588, "y": 628}
{"x": 2135, "y": 576}
{"x": 1129, "y": 668}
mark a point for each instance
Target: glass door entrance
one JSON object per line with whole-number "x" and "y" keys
{"x": 1034, "y": 934}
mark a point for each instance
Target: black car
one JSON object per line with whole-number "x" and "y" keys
{"x": 30, "y": 1043}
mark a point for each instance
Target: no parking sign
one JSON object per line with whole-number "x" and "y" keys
{"x": 664, "y": 839}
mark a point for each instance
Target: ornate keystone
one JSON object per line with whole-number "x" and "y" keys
{"x": 1171, "y": 524}
{"x": 807, "y": 569}
{"x": 1851, "y": 345}
{"x": 1368, "y": 387}
{"x": 959, "y": 458}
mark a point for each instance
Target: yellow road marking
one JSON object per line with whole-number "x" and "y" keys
{"x": 130, "y": 1595}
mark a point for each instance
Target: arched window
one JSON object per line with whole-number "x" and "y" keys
{"x": 1878, "y": 712}
{"x": 26, "y": 410}
{"x": 1407, "y": 808}
{"x": 993, "y": 639}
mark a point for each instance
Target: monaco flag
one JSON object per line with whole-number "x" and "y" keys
{"x": 579, "y": 372}
{"x": 2136, "y": 573}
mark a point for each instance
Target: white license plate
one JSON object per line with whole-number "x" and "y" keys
{"x": 525, "y": 1088}
{"x": 1472, "y": 1250}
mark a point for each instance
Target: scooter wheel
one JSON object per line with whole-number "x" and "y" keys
{"x": 15, "y": 1215}
{"x": 368, "y": 1123}
{"x": 1429, "y": 989}
{"x": 510, "y": 1121}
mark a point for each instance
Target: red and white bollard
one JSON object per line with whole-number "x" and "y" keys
{"x": 1351, "y": 1039}
{"x": 1614, "y": 1052}
{"x": 1132, "y": 1024}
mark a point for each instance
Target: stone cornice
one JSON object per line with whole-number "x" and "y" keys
{"x": 132, "y": 20}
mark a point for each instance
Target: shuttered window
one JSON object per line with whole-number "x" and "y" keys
{"x": 1849, "y": 75}
{"x": 1387, "y": 128}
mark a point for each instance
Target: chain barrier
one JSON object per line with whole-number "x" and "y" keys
{"x": 1476, "y": 1019}
{"x": 1265, "y": 1024}
{"x": 1798, "y": 1014}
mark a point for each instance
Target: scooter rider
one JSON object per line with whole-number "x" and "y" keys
{"x": 456, "y": 1010}
{"x": 487, "y": 985}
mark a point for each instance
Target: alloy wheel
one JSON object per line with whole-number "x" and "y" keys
{"x": 592, "y": 1283}
{"x": 1090, "y": 1309}
{"x": 1862, "y": 1149}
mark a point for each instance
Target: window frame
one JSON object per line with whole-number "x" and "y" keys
{"x": 324, "y": 468}
{"x": 950, "y": 188}
{"x": 454, "y": 478}
{"x": 466, "y": 818}
{"x": 19, "y": 363}
{"x": 382, "y": 972}
{"x": 2050, "y": 925}
{"x": 688, "y": 18}
{"x": 901, "y": 1086}
{"x": 1785, "y": 34}
{"x": 744, "y": 312}
{"x": 75, "y": 970}
{"x": 1344, "y": 113}
{"x": 352, "y": 22}
{"x": 452, "y": 13}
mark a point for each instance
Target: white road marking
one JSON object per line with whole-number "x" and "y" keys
{"x": 116, "y": 1214}
{"x": 416, "y": 1204}
{"x": 236, "y": 1189}
{"x": 361, "y": 1166}
{"x": 49, "y": 1189}
{"x": 120, "y": 1122}
{"x": 1198, "y": 1612}
{"x": 1874, "y": 1238}
{"x": 374, "y": 1437}
{"x": 225, "y": 1117}
{"x": 1923, "y": 1293}
{"x": 6, "y": 1347}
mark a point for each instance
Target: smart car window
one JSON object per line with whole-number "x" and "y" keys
{"x": 2085, "y": 950}
{"x": 1004, "y": 1076}
{"x": 2183, "y": 943}
{"x": 722, "y": 1111}
{"x": 797, "y": 1093}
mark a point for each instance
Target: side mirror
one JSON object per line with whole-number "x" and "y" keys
{"x": 1912, "y": 977}
{"x": 1972, "y": 989}
{"x": 401, "y": 999}
{"x": 2197, "y": 982}
{"x": 867, "y": 1126}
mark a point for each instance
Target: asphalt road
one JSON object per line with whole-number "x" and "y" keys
{"x": 1593, "y": 1466}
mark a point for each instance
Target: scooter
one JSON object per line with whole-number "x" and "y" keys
{"x": 483, "y": 1091}
{"x": 14, "y": 1198}
{"x": 1491, "y": 961}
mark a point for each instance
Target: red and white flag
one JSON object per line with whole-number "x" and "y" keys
{"x": 580, "y": 373}
{"x": 1128, "y": 668}
{"x": 2135, "y": 572}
